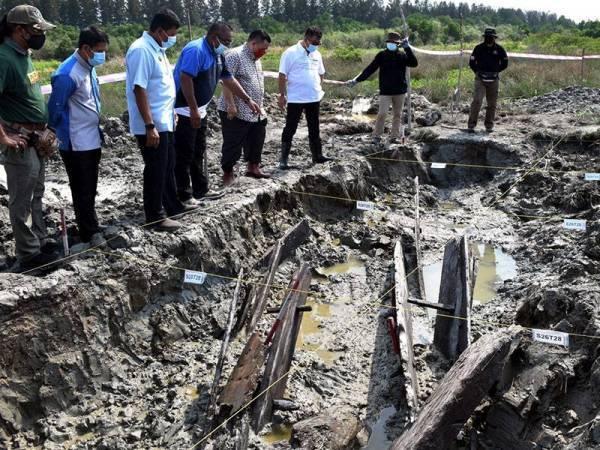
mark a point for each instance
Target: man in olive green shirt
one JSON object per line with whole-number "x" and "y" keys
{"x": 22, "y": 106}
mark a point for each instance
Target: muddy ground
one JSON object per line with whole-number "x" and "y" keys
{"x": 112, "y": 350}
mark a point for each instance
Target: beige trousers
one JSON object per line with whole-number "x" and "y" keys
{"x": 397, "y": 103}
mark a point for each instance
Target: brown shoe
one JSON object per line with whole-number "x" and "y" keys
{"x": 228, "y": 178}
{"x": 168, "y": 225}
{"x": 255, "y": 172}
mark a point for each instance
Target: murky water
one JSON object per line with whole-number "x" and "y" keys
{"x": 495, "y": 266}
{"x": 353, "y": 266}
{"x": 278, "y": 433}
{"x": 378, "y": 439}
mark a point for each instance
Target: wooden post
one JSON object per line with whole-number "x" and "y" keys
{"x": 63, "y": 232}
{"x": 582, "y": 65}
{"x": 408, "y": 101}
{"x": 421, "y": 280}
{"x": 405, "y": 334}
{"x": 460, "y": 69}
{"x": 452, "y": 333}
{"x": 291, "y": 240}
{"x": 477, "y": 371}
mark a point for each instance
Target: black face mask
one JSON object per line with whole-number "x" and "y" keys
{"x": 36, "y": 41}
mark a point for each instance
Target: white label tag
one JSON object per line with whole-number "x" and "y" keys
{"x": 194, "y": 277}
{"x": 574, "y": 224}
{"x": 438, "y": 165}
{"x": 551, "y": 337}
{"x": 592, "y": 176}
{"x": 365, "y": 206}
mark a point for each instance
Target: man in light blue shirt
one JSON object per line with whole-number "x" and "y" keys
{"x": 74, "y": 112}
{"x": 150, "y": 101}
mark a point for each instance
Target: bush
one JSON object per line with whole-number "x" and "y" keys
{"x": 347, "y": 53}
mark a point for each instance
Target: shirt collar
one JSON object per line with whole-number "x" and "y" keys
{"x": 16, "y": 47}
{"x": 82, "y": 61}
{"x": 150, "y": 41}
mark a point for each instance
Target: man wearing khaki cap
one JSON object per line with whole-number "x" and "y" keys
{"x": 25, "y": 141}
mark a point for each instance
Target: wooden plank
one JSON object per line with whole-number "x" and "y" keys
{"x": 244, "y": 378}
{"x": 291, "y": 240}
{"x": 242, "y": 434}
{"x": 418, "y": 241}
{"x": 425, "y": 304}
{"x": 405, "y": 332}
{"x": 475, "y": 373}
{"x": 225, "y": 343}
{"x": 281, "y": 351}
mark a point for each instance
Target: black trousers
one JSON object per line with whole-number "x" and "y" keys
{"x": 239, "y": 133}
{"x": 160, "y": 194}
{"x": 190, "y": 145}
{"x": 82, "y": 170}
{"x": 294, "y": 113}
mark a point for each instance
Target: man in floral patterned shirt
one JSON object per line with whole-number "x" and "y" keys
{"x": 240, "y": 125}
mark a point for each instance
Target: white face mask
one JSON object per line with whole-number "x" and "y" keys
{"x": 391, "y": 46}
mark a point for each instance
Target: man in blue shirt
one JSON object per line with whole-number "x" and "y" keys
{"x": 197, "y": 72}
{"x": 150, "y": 100}
{"x": 74, "y": 112}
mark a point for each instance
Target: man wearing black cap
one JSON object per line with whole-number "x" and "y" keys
{"x": 487, "y": 61}
{"x": 23, "y": 119}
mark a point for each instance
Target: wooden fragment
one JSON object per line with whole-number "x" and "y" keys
{"x": 242, "y": 434}
{"x": 475, "y": 373}
{"x": 225, "y": 343}
{"x": 425, "y": 304}
{"x": 405, "y": 333}
{"x": 291, "y": 240}
{"x": 418, "y": 241}
{"x": 282, "y": 349}
{"x": 452, "y": 335}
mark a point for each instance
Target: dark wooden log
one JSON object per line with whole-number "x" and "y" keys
{"x": 475, "y": 373}
{"x": 282, "y": 349}
{"x": 452, "y": 335}
{"x": 426, "y": 304}
{"x": 405, "y": 332}
{"x": 291, "y": 240}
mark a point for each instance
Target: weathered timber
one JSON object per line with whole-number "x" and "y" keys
{"x": 277, "y": 309}
{"x": 426, "y": 304}
{"x": 244, "y": 378}
{"x": 418, "y": 240}
{"x": 452, "y": 335}
{"x": 242, "y": 434}
{"x": 225, "y": 342}
{"x": 291, "y": 240}
{"x": 258, "y": 300}
{"x": 475, "y": 373}
{"x": 282, "y": 349}
{"x": 405, "y": 333}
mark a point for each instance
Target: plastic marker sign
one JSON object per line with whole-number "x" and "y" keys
{"x": 592, "y": 176}
{"x": 365, "y": 206}
{"x": 574, "y": 224}
{"x": 551, "y": 337}
{"x": 194, "y": 277}
{"x": 438, "y": 165}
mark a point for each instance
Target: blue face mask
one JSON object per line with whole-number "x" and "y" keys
{"x": 391, "y": 46}
{"x": 170, "y": 42}
{"x": 312, "y": 48}
{"x": 97, "y": 59}
{"x": 221, "y": 48}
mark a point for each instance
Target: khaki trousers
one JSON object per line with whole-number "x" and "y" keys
{"x": 490, "y": 92}
{"x": 397, "y": 103}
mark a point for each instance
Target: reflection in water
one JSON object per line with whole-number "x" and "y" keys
{"x": 278, "y": 433}
{"x": 378, "y": 439}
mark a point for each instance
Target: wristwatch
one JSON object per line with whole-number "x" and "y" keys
{"x": 150, "y": 126}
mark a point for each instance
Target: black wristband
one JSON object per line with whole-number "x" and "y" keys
{"x": 150, "y": 126}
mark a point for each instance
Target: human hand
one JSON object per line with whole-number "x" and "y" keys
{"x": 405, "y": 44}
{"x": 281, "y": 101}
{"x": 351, "y": 82}
{"x": 152, "y": 138}
{"x": 14, "y": 141}
{"x": 253, "y": 106}
{"x": 195, "y": 119}
{"x": 231, "y": 111}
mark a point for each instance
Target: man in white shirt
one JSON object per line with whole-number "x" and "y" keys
{"x": 301, "y": 70}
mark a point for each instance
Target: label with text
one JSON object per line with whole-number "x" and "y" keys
{"x": 438, "y": 165}
{"x": 365, "y": 206}
{"x": 574, "y": 224}
{"x": 551, "y": 337}
{"x": 194, "y": 277}
{"x": 592, "y": 176}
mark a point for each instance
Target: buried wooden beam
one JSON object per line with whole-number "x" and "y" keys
{"x": 404, "y": 328}
{"x": 418, "y": 252}
{"x": 452, "y": 333}
{"x": 282, "y": 349}
{"x": 291, "y": 240}
{"x": 479, "y": 369}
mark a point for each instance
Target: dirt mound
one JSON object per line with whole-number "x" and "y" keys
{"x": 570, "y": 100}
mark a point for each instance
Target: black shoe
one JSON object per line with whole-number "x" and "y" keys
{"x": 321, "y": 159}
{"x": 286, "y": 147}
{"x": 50, "y": 247}
{"x": 489, "y": 130}
{"x": 40, "y": 264}
{"x": 470, "y": 130}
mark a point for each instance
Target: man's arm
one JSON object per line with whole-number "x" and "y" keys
{"x": 229, "y": 103}
{"x": 62, "y": 90}
{"x": 187, "y": 88}
{"x": 141, "y": 100}
{"x": 503, "y": 59}
{"x": 473, "y": 64}
{"x": 234, "y": 86}
{"x": 10, "y": 140}
{"x": 411, "y": 59}
{"x": 369, "y": 70}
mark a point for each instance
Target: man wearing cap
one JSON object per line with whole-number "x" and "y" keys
{"x": 488, "y": 59}
{"x": 393, "y": 86}
{"x": 23, "y": 119}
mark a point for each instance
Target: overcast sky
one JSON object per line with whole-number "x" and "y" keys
{"x": 573, "y": 9}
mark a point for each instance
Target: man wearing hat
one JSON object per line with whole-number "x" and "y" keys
{"x": 23, "y": 119}
{"x": 392, "y": 64}
{"x": 488, "y": 59}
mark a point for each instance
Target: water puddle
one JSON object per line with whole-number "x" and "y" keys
{"x": 352, "y": 266}
{"x": 311, "y": 325}
{"x": 278, "y": 433}
{"x": 378, "y": 439}
{"x": 495, "y": 266}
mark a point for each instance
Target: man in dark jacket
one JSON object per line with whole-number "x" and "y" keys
{"x": 487, "y": 61}
{"x": 392, "y": 65}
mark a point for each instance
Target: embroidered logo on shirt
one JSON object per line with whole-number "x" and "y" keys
{"x": 34, "y": 77}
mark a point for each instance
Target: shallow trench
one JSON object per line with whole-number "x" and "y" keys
{"x": 115, "y": 351}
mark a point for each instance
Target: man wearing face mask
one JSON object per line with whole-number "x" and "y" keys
{"x": 150, "y": 101}
{"x": 301, "y": 71}
{"x": 488, "y": 59}
{"x": 200, "y": 67}
{"x": 239, "y": 124}
{"x": 74, "y": 108}
{"x": 392, "y": 65}
{"x": 23, "y": 115}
